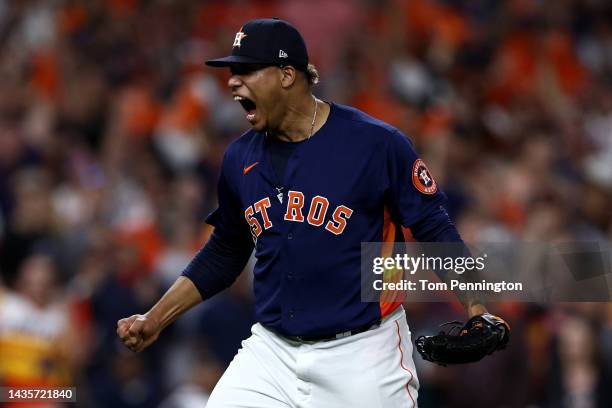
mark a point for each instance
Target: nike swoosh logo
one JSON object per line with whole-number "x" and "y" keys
{"x": 248, "y": 168}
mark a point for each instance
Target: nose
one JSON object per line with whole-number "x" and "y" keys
{"x": 234, "y": 81}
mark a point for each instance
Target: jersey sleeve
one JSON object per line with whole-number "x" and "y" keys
{"x": 228, "y": 218}
{"x": 413, "y": 191}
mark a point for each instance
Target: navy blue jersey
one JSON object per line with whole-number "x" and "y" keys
{"x": 356, "y": 180}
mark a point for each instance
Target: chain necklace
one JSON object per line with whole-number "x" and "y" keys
{"x": 314, "y": 117}
{"x": 280, "y": 189}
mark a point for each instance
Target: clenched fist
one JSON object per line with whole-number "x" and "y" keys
{"x": 138, "y": 331}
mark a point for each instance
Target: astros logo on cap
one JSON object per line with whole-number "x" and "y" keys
{"x": 422, "y": 179}
{"x": 239, "y": 36}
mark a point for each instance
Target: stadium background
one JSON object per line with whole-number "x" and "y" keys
{"x": 112, "y": 131}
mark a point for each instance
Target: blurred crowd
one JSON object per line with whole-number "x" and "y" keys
{"x": 112, "y": 132}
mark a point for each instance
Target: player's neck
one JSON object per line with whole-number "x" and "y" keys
{"x": 301, "y": 119}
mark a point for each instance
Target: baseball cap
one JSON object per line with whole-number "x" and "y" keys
{"x": 266, "y": 41}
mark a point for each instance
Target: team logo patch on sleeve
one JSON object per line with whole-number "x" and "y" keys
{"x": 422, "y": 179}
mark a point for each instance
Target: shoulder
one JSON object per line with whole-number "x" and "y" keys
{"x": 353, "y": 117}
{"x": 243, "y": 149}
{"x": 242, "y": 143}
{"x": 12, "y": 302}
{"x": 365, "y": 126}
{"x": 240, "y": 153}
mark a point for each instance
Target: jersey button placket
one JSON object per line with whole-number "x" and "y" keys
{"x": 288, "y": 251}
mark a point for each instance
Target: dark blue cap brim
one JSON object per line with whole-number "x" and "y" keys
{"x": 234, "y": 59}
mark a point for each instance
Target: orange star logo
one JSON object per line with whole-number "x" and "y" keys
{"x": 239, "y": 36}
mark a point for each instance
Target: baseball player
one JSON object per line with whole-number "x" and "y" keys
{"x": 304, "y": 187}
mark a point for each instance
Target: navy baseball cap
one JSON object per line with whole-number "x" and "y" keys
{"x": 266, "y": 41}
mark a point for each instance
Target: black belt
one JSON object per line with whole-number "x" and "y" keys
{"x": 333, "y": 336}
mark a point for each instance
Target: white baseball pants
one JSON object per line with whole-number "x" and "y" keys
{"x": 373, "y": 369}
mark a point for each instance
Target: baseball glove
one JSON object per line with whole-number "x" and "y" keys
{"x": 480, "y": 336}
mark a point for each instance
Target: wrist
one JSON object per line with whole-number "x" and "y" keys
{"x": 155, "y": 316}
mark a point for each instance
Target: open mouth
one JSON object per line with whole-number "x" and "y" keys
{"x": 248, "y": 105}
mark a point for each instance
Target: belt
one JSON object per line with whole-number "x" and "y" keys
{"x": 333, "y": 336}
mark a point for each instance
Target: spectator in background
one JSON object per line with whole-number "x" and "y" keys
{"x": 580, "y": 378}
{"x": 38, "y": 344}
{"x": 204, "y": 374}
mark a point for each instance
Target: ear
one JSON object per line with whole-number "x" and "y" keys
{"x": 288, "y": 76}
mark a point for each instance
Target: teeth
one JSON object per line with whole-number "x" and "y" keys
{"x": 238, "y": 98}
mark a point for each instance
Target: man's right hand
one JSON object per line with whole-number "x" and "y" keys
{"x": 138, "y": 331}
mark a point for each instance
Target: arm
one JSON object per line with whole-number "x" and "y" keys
{"x": 416, "y": 202}
{"x": 181, "y": 296}
{"x": 214, "y": 268}
{"x": 438, "y": 227}
{"x": 483, "y": 333}
{"x": 138, "y": 331}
